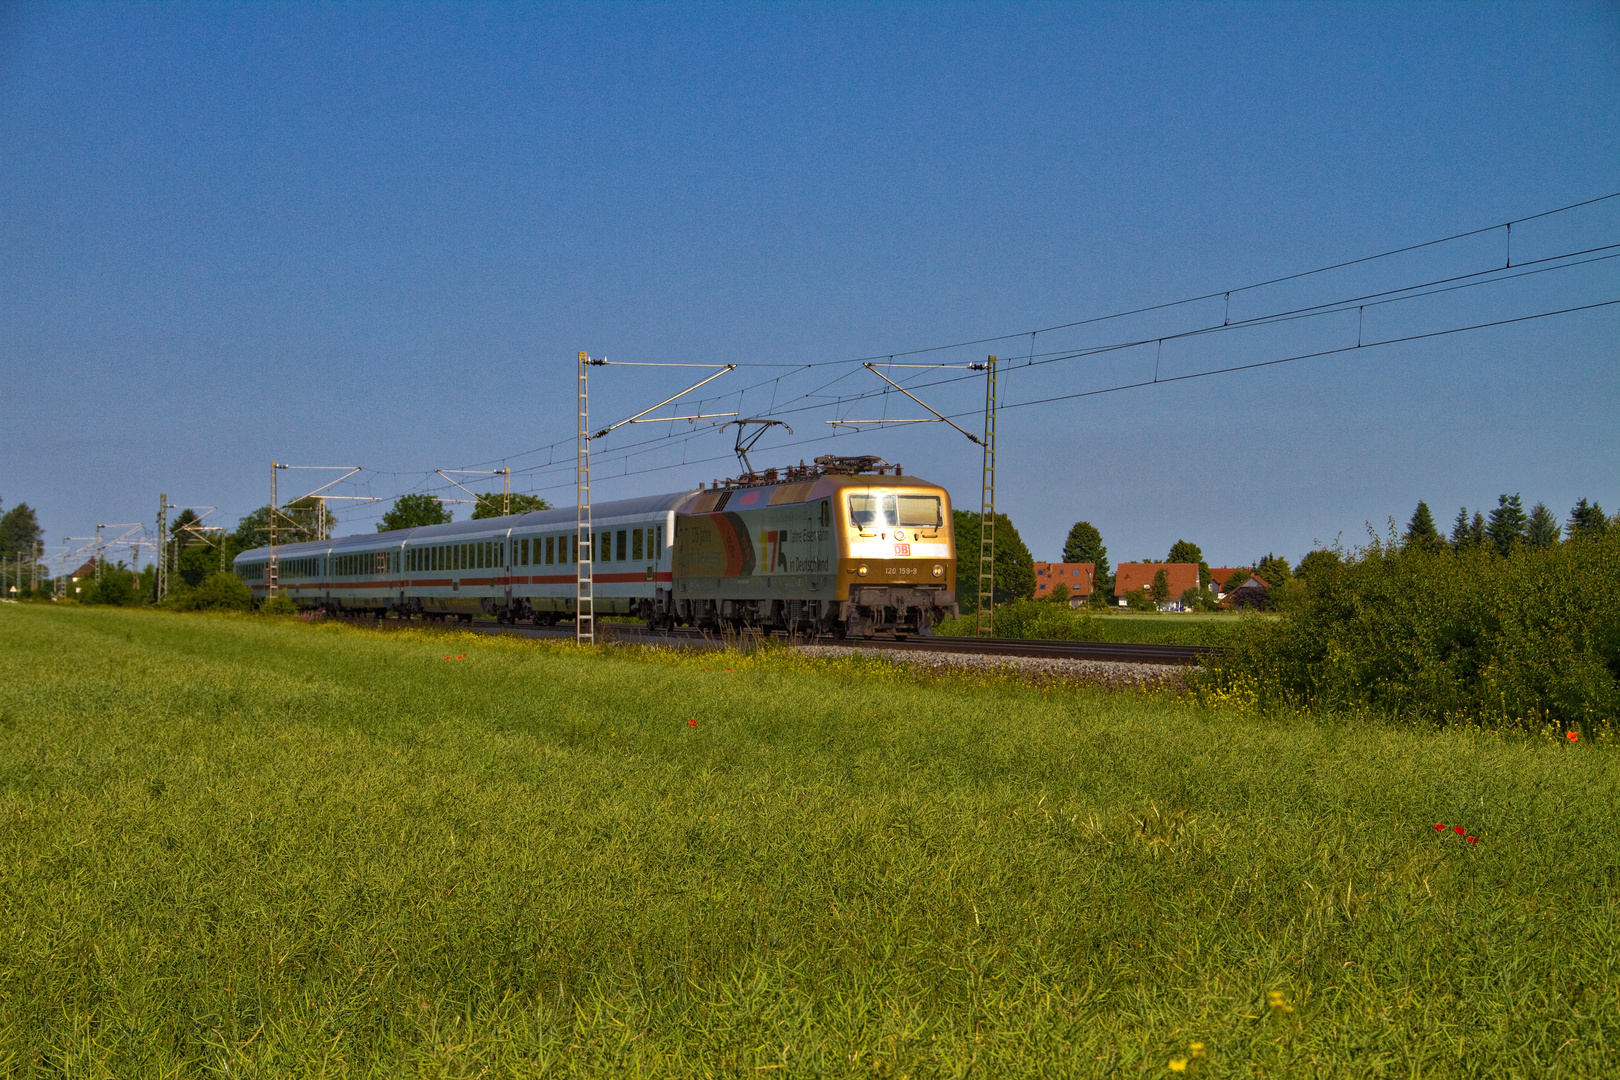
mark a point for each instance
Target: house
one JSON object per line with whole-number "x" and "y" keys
{"x": 1080, "y": 577}
{"x": 1219, "y": 575}
{"x": 1252, "y": 593}
{"x": 1138, "y": 577}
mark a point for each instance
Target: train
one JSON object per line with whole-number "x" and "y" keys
{"x": 848, "y": 546}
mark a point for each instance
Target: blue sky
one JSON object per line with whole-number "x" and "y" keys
{"x": 378, "y": 235}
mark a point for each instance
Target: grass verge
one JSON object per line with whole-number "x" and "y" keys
{"x": 246, "y": 846}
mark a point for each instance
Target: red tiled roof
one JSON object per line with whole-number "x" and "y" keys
{"x": 1139, "y": 575}
{"x": 1219, "y": 574}
{"x": 1080, "y": 577}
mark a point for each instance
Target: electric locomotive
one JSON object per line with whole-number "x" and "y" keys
{"x": 849, "y": 546}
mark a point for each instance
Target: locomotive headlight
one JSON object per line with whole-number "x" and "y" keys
{"x": 862, "y": 570}
{"x": 939, "y": 571}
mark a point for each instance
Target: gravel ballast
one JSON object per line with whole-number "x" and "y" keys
{"x": 1106, "y": 673}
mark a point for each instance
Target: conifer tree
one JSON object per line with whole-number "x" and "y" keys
{"x": 1541, "y": 531}
{"x": 1420, "y": 531}
{"x": 1506, "y": 529}
{"x": 1587, "y": 521}
{"x": 1461, "y": 540}
{"x": 1085, "y": 545}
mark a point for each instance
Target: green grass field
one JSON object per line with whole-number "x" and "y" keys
{"x": 235, "y": 846}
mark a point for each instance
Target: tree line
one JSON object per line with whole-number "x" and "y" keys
{"x": 202, "y": 556}
{"x": 1508, "y": 527}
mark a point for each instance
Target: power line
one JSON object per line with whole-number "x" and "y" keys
{"x": 1309, "y": 356}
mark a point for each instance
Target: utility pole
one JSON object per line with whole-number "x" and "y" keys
{"x": 584, "y": 617}
{"x": 275, "y": 511}
{"x": 584, "y": 597}
{"x": 985, "y": 625}
{"x": 98, "y": 551}
{"x": 163, "y": 546}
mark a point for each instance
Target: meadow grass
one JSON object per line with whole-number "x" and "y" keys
{"x": 234, "y": 845}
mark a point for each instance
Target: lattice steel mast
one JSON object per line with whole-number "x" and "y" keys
{"x": 584, "y": 598}
{"x": 985, "y": 625}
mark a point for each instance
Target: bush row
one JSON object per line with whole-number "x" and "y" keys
{"x": 1420, "y": 632}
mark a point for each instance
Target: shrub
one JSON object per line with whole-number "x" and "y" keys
{"x": 219, "y": 591}
{"x": 116, "y": 587}
{"x": 1526, "y": 639}
{"x": 1038, "y": 619}
{"x": 279, "y": 604}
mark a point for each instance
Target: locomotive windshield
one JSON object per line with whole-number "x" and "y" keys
{"x": 884, "y": 511}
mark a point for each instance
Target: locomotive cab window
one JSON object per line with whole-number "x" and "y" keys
{"x": 871, "y": 512}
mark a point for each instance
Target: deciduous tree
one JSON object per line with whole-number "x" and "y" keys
{"x": 496, "y": 504}
{"x": 1185, "y": 551}
{"x": 1013, "y": 568}
{"x": 1318, "y": 567}
{"x": 1273, "y": 570}
{"x": 413, "y": 512}
{"x": 1160, "y": 589}
{"x": 20, "y": 534}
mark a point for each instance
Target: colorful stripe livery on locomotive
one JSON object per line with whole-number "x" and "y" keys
{"x": 853, "y": 554}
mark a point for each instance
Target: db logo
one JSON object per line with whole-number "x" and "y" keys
{"x": 902, "y": 549}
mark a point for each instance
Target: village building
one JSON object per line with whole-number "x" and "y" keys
{"x": 1080, "y": 577}
{"x": 1138, "y": 577}
{"x": 1220, "y": 575}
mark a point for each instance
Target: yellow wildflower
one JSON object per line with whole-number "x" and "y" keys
{"x": 1196, "y": 1050}
{"x": 1178, "y": 1064}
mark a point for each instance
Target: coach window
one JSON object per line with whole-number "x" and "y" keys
{"x": 551, "y": 544}
{"x": 660, "y": 541}
{"x": 635, "y": 545}
{"x": 573, "y": 548}
{"x": 622, "y": 555}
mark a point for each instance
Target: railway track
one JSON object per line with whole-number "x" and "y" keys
{"x": 1118, "y": 652}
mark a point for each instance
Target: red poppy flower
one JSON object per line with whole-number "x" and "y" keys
{"x": 1439, "y": 826}
{"x": 1473, "y": 839}
{"x": 1458, "y": 829}
{"x": 691, "y": 723}
{"x": 1573, "y": 736}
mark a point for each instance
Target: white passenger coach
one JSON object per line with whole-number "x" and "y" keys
{"x": 524, "y": 566}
